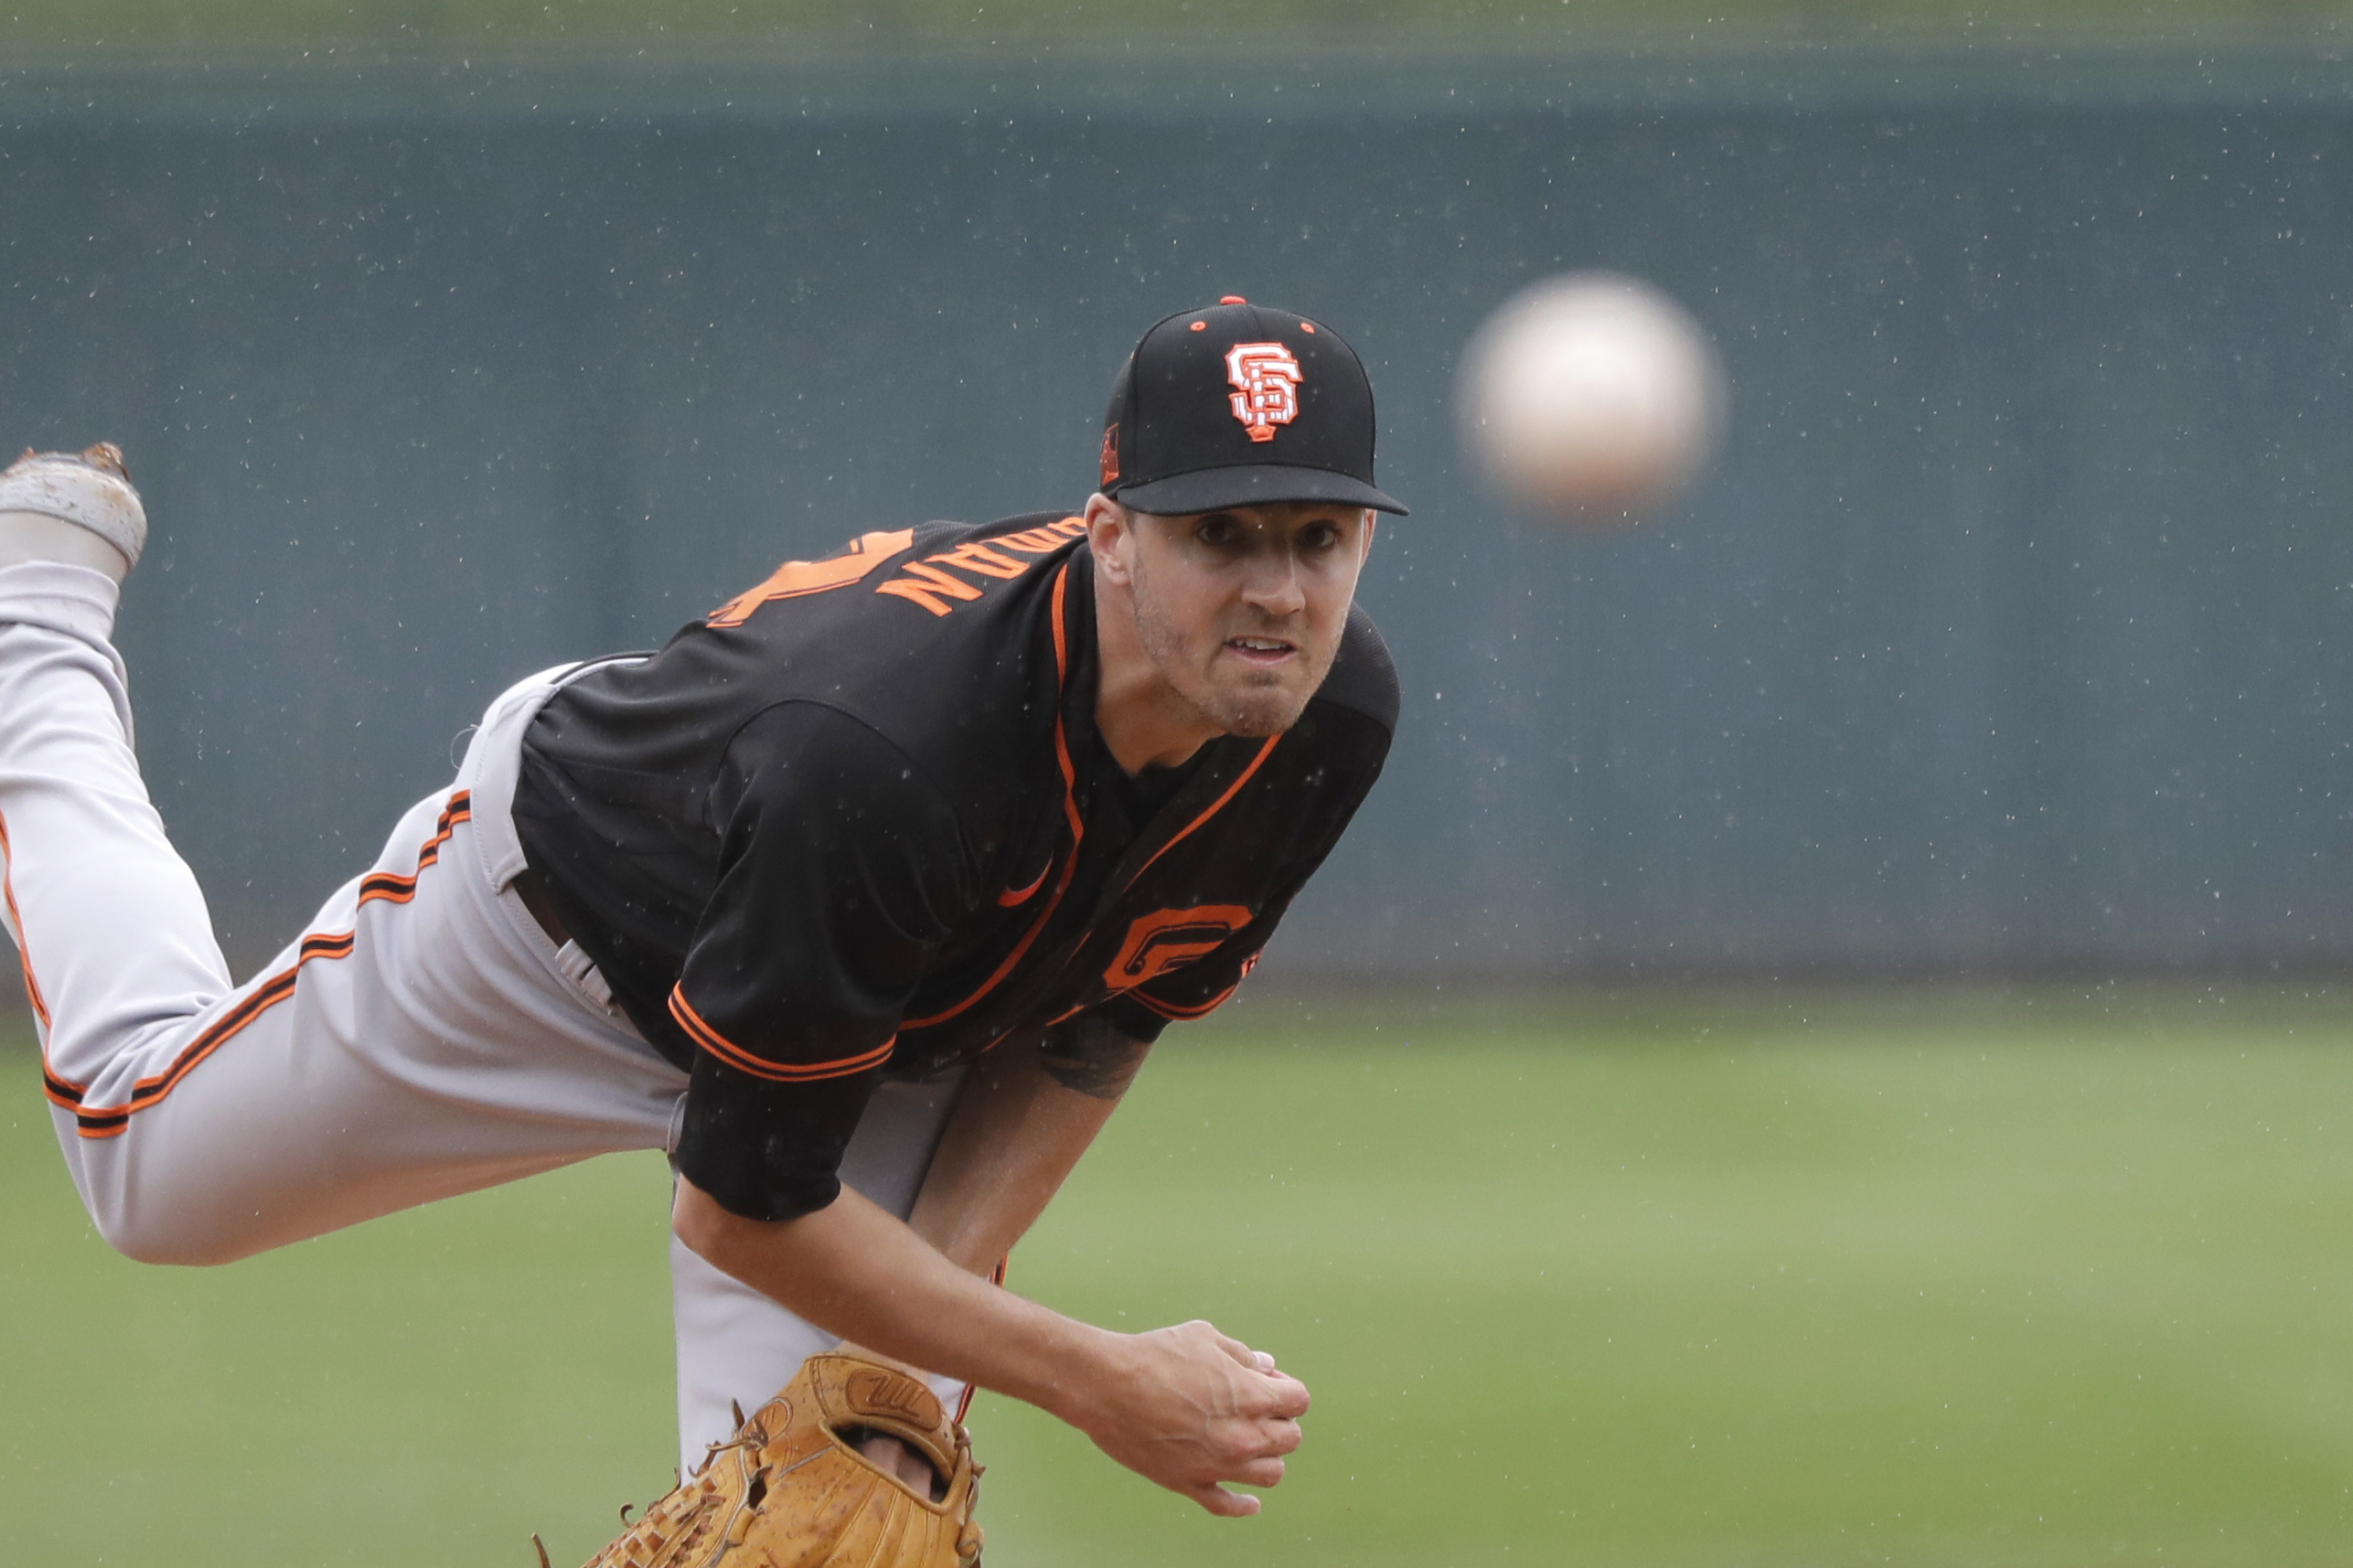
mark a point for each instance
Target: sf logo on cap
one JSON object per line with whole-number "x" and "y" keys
{"x": 1268, "y": 380}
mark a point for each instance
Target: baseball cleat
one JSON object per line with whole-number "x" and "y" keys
{"x": 73, "y": 507}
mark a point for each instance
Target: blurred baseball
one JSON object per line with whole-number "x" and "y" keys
{"x": 1591, "y": 397}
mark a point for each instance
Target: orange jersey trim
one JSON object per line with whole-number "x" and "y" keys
{"x": 1078, "y": 831}
{"x": 735, "y": 1056}
{"x": 1176, "y": 1014}
{"x": 1071, "y": 815}
{"x": 1214, "y": 807}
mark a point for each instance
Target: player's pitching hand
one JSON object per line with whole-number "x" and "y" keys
{"x": 1192, "y": 1408}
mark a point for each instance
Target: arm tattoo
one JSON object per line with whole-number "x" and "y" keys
{"x": 1092, "y": 1057}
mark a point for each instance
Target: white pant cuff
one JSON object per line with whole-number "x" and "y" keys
{"x": 73, "y": 600}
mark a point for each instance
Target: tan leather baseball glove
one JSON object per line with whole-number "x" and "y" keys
{"x": 790, "y": 1489}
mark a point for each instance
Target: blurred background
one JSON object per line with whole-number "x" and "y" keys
{"x": 1999, "y": 640}
{"x": 1918, "y": 859}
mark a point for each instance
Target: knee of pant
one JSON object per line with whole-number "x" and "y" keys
{"x": 168, "y": 1239}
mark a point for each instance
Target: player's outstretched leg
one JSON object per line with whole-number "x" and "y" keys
{"x": 421, "y": 1037}
{"x": 117, "y": 943}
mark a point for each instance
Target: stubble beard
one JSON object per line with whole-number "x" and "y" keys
{"x": 1264, "y": 706}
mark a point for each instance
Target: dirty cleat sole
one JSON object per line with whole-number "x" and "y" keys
{"x": 76, "y": 507}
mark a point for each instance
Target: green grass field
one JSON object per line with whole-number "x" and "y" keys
{"x": 1920, "y": 1278}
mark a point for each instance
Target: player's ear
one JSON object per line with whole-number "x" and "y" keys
{"x": 1110, "y": 528}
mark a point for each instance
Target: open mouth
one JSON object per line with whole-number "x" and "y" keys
{"x": 1260, "y": 650}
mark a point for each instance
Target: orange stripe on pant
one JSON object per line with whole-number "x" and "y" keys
{"x": 398, "y": 888}
{"x": 8, "y": 890}
{"x": 113, "y": 1121}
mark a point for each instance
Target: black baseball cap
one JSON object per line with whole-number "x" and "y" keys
{"x": 1240, "y": 405}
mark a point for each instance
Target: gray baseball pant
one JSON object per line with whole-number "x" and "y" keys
{"x": 423, "y": 1037}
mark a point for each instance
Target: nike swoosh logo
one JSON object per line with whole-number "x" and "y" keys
{"x": 1013, "y": 897}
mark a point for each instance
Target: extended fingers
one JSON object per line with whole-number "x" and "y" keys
{"x": 1254, "y": 1452}
{"x": 1223, "y": 1503}
{"x": 1257, "y": 1361}
{"x": 1260, "y": 1463}
{"x": 1263, "y": 1470}
{"x": 1266, "y": 1472}
{"x": 1281, "y": 1396}
{"x": 1284, "y": 1394}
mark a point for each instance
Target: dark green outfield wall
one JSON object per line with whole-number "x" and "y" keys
{"x": 2011, "y": 630}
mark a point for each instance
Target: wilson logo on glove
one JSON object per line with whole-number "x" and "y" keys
{"x": 789, "y": 1490}
{"x": 882, "y": 1393}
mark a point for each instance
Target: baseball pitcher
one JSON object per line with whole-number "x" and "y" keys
{"x": 864, "y": 900}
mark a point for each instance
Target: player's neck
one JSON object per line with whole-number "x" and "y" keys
{"x": 1144, "y": 720}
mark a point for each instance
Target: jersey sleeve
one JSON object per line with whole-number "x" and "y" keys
{"x": 841, "y": 870}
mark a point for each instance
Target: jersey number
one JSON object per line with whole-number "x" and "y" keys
{"x": 796, "y": 578}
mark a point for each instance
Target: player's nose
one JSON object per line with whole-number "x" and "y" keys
{"x": 1272, "y": 584}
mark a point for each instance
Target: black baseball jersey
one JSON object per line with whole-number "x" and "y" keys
{"x": 859, "y": 822}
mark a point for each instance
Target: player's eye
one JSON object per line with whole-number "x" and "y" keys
{"x": 1217, "y": 531}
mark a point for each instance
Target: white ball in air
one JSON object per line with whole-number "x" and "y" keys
{"x": 1591, "y": 398}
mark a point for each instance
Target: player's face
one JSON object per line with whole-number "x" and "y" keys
{"x": 1241, "y": 612}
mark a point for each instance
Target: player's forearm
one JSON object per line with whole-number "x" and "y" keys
{"x": 855, "y": 1270}
{"x": 1025, "y": 1116}
{"x": 1186, "y": 1406}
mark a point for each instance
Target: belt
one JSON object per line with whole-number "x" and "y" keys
{"x": 534, "y": 895}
